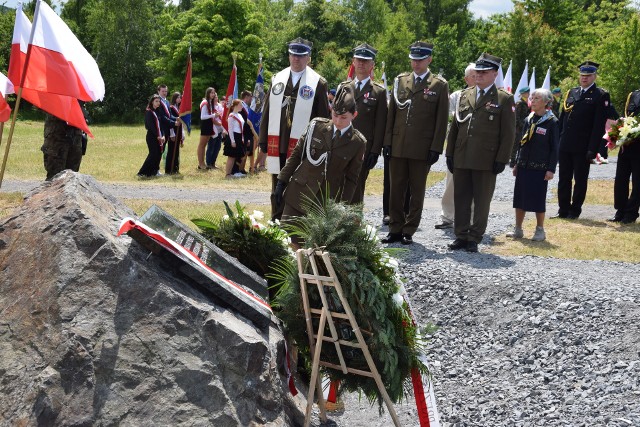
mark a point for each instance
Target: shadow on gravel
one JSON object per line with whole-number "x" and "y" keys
{"x": 480, "y": 260}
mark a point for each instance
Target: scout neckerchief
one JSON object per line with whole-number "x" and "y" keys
{"x": 301, "y": 113}
{"x": 532, "y": 126}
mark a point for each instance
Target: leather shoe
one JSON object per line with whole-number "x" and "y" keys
{"x": 559, "y": 215}
{"x": 443, "y": 225}
{"x": 625, "y": 220}
{"x": 407, "y": 239}
{"x": 386, "y": 220}
{"x": 471, "y": 246}
{"x": 615, "y": 218}
{"x": 572, "y": 216}
{"x": 392, "y": 238}
{"x": 458, "y": 244}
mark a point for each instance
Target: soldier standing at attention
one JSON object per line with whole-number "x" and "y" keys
{"x": 627, "y": 205}
{"x": 371, "y": 105}
{"x": 522, "y": 112}
{"x": 581, "y": 128}
{"x": 415, "y": 133}
{"x": 297, "y": 95}
{"x": 63, "y": 146}
{"x": 555, "y": 106}
{"x": 478, "y": 149}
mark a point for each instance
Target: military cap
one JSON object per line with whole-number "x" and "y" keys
{"x": 556, "y": 90}
{"x": 420, "y": 50}
{"x": 332, "y": 92}
{"x": 344, "y": 101}
{"x": 487, "y": 62}
{"x": 524, "y": 90}
{"x": 588, "y": 67}
{"x": 364, "y": 51}
{"x": 300, "y": 47}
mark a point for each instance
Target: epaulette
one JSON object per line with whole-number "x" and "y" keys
{"x": 506, "y": 92}
{"x": 380, "y": 85}
{"x": 321, "y": 120}
{"x": 358, "y": 134}
{"x": 439, "y": 77}
{"x": 403, "y": 74}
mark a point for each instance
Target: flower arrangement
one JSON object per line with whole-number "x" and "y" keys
{"x": 244, "y": 236}
{"x": 372, "y": 286}
{"x": 624, "y": 131}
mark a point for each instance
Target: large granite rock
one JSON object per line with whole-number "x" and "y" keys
{"x": 95, "y": 332}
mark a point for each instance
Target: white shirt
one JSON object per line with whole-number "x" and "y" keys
{"x": 295, "y": 76}
{"x": 363, "y": 82}
{"x": 486, "y": 89}
{"x": 422, "y": 76}
{"x": 217, "y": 129}
{"x": 235, "y": 126}
{"x": 342, "y": 131}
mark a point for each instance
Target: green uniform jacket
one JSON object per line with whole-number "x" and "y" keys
{"x": 371, "y": 105}
{"x": 342, "y": 165}
{"x": 488, "y": 135}
{"x": 421, "y": 126}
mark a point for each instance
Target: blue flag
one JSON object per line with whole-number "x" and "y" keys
{"x": 257, "y": 102}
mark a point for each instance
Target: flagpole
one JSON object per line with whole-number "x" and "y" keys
{"x": 19, "y": 95}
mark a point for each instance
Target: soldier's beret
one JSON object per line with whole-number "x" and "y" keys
{"x": 524, "y": 90}
{"x": 556, "y": 90}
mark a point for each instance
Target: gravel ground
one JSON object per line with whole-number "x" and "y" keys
{"x": 521, "y": 341}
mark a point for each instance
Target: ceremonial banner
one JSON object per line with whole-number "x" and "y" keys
{"x": 532, "y": 81}
{"x": 500, "y": 78}
{"x": 232, "y": 93}
{"x": 257, "y": 101}
{"x": 522, "y": 83}
{"x": 547, "y": 80}
{"x": 5, "y": 87}
{"x": 186, "y": 104}
{"x": 508, "y": 79}
{"x": 351, "y": 72}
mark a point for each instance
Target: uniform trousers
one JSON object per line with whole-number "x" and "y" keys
{"x": 358, "y": 194}
{"x": 411, "y": 174}
{"x": 472, "y": 188}
{"x": 276, "y": 211}
{"x": 627, "y": 205}
{"x": 572, "y": 166}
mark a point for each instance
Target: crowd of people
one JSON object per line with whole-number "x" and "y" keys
{"x": 317, "y": 141}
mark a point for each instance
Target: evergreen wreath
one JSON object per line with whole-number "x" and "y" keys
{"x": 373, "y": 289}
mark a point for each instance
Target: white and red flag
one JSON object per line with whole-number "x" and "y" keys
{"x": 546, "y": 84}
{"x": 508, "y": 79}
{"x": 232, "y": 93}
{"x": 522, "y": 83}
{"x": 5, "y": 87}
{"x": 59, "y": 70}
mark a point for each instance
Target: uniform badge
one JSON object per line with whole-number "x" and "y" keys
{"x": 366, "y": 95}
{"x": 278, "y": 88}
{"x": 306, "y": 92}
{"x": 541, "y": 131}
{"x": 606, "y": 103}
{"x": 491, "y": 117}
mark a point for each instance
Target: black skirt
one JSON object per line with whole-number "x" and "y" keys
{"x": 530, "y": 191}
{"x": 206, "y": 127}
{"x": 238, "y": 150}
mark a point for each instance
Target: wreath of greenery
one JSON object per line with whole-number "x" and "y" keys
{"x": 370, "y": 281}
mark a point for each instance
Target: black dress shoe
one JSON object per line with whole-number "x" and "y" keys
{"x": 559, "y": 215}
{"x": 392, "y": 238}
{"x": 443, "y": 225}
{"x": 407, "y": 239}
{"x": 625, "y": 220}
{"x": 572, "y": 216}
{"x": 616, "y": 218}
{"x": 386, "y": 219}
{"x": 471, "y": 246}
{"x": 458, "y": 244}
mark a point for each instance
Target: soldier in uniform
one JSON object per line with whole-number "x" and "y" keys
{"x": 627, "y": 205}
{"x": 415, "y": 132}
{"x": 328, "y": 156}
{"x": 371, "y": 105}
{"x": 297, "y": 95}
{"x": 63, "y": 146}
{"x": 555, "y": 105}
{"x": 581, "y": 128}
{"x": 478, "y": 148}
{"x": 522, "y": 112}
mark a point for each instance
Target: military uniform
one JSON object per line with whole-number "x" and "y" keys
{"x": 371, "y": 105}
{"x": 581, "y": 128}
{"x": 62, "y": 146}
{"x": 416, "y": 126}
{"x": 479, "y": 141}
{"x": 337, "y": 172}
{"x": 627, "y": 205}
{"x": 555, "y": 107}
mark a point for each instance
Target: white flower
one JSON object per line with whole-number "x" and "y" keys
{"x": 397, "y": 298}
{"x": 225, "y": 218}
{"x": 258, "y": 215}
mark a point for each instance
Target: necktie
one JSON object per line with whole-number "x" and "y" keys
{"x": 480, "y": 93}
{"x": 418, "y": 80}
{"x": 359, "y": 86}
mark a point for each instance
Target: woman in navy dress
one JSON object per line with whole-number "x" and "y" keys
{"x": 155, "y": 139}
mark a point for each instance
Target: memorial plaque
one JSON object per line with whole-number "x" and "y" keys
{"x": 228, "y": 266}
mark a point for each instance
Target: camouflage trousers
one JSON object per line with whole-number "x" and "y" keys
{"x": 62, "y": 150}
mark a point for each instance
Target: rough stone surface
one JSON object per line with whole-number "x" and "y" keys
{"x": 94, "y": 333}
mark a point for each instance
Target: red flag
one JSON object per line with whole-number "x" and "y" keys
{"x": 186, "y": 104}
{"x": 60, "y": 71}
{"x": 351, "y": 72}
{"x": 232, "y": 93}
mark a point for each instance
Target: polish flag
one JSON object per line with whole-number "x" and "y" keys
{"x": 60, "y": 70}
{"x": 351, "y": 72}
{"x": 232, "y": 93}
{"x": 5, "y": 87}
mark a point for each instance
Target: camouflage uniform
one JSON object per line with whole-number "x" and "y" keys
{"x": 62, "y": 146}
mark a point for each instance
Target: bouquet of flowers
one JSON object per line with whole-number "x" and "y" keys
{"x": 624, "y": 131}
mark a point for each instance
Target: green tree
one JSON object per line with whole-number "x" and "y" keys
{"x": 124, "y": 40}
{"x": 332, "y": 66}
{"x": 447, "y": 58}
{"x": 394, "y": 46}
